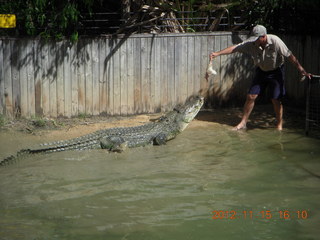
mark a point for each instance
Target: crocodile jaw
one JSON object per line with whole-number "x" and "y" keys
{"x": 188, "y": 113}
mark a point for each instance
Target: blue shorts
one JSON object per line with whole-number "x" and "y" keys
{"x": 273, "y": 79}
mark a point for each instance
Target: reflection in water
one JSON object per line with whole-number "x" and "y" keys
{"x": 168, "y": 192}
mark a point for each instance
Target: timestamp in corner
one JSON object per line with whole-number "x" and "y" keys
{"x": 264, "y": 214}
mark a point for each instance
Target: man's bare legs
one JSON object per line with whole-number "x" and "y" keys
{"x": 247, "y": 109}
{"x": 248, "y": 106}
{"x": 278, "y": 109}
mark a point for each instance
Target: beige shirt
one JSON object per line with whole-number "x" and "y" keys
{"x": 269, "y": 58}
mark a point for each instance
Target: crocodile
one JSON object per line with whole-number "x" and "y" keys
{"x": 167, "y": 127}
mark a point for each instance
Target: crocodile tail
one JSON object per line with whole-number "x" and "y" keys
{"x": 14, "y": 158}
{"x": 74, "y": 144}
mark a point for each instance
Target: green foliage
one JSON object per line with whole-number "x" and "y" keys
{"x": 74, "y": 37}
{"x": 48, "y": 18}
{"x": 295, "y": 16}
{"x": 82, "y": 115}
{"x": 55, "y": 19}
{"x": 39, "y": 122}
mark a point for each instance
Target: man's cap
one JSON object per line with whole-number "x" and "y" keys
{"x": 257, "y": 32}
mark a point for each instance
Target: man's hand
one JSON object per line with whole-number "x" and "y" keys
{"x": 225, "y": 51}
{"x": 305, "y": 75}
{"x": 213, "y": 55}
{"x": 303, "y": 72}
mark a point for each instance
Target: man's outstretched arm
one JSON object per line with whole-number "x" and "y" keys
{"x": 225, "y": 51}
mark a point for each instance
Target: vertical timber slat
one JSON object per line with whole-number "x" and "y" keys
{"x": 2, "y": 91}
{"x": 130, "y": 63}
{"x": 123, "y": 79}
{"x": 60, "y": 80}
{"x": 96, "y": 78}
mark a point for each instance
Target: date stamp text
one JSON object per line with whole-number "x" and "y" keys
{"x": 265, "y": 214}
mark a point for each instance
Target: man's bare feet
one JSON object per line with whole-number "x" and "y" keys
{"x": 279, "y": 127}
{"x": 240, "y": 127}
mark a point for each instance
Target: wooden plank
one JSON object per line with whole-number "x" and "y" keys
{"x": 74, "y": 79}
{"x": 123, "y": 79}
{"x": 116, "y": 79}
{"x": 156, "y": 78}
{"x": 2, "y": 91}
{"x": 37, "y": 77}
{"x": 164, "y": 73}
{"x": 108, "y": 78}
{"x": 44, "y": 70}
{"x": 197, "y": 65}
{"x": 81, "y": 76}
{"x": 152, "y": 90}
{"x": 145, "y": 74}
{"x": 60, "y": 53}
{"x": 137, "y": 76}
{"x": 16, "y": 89}
{"x": 30, "y": 78}
{"x": 177, "y": 64}
{"x": 130, "y": 61}
{"x": 87, "y": 64}
{"x": 181, "y": 80}
{"x": 171, "y": 72}
{"x": 103, "y": 76}
{"x": 191, "y": 66}
{"x": 52, "y": 79}
{"x": 23, "y": 76}
{"x": 67, "y": 79}
{"x": 110, "y": 72}
{"x": 96, "y": 77}
{"x": 7, "y": 78}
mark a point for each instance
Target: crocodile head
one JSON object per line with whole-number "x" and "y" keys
{"x": 187, "y": 112}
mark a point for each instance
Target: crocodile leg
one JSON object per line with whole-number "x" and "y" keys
{"x": 113, "y": 143}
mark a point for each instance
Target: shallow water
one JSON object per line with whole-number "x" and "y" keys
{"x": 182, "y": 190}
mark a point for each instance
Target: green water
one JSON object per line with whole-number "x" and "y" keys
{"x": 169, "y": 192}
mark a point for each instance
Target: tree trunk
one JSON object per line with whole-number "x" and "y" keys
{"x": 126, "y": 8}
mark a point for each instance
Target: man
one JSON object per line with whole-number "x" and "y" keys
{"x": 268, "y": 52}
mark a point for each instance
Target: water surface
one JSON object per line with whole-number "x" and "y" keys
{"x": 168, "y": 192}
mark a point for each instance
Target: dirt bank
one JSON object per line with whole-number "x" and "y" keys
{"x": 63, "y": 128}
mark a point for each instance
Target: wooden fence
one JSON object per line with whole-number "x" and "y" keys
{"x": 127, "y": 75}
